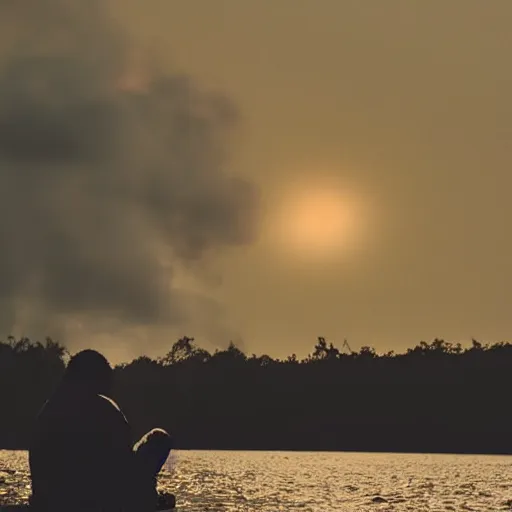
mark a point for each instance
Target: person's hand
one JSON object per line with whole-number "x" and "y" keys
{"x": 166, "y": 501}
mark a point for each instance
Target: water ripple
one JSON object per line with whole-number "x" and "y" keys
{"x": 315, "y": 482}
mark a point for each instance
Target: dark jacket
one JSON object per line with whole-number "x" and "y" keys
{"x": 81, "y": 455}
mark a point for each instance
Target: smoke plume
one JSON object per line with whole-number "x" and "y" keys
{"x": 112, "y": 172}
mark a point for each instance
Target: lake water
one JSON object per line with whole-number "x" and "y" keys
{"x": 314, "y": 482}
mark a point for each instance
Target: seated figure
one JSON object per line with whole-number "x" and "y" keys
{"x": 81, "y": 455}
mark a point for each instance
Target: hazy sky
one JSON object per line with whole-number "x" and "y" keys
{"x": 349, "y": 179}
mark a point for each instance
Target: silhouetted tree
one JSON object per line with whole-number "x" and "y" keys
{"x": 437, "y": 396}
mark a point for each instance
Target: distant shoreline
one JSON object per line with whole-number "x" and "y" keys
{"x": 305, "y": 450}
{"x": 436, "y": 397}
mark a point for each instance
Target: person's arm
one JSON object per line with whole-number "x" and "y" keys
{"x": 119, "y": 458}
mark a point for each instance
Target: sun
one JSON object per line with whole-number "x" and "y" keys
{"x": 318, "y": 222}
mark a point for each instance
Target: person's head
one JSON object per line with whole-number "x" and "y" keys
{"x": 89, "y": 371}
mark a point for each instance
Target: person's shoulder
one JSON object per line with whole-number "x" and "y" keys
{"x": 110, "y": 407}
{"x": 108, "y": 402}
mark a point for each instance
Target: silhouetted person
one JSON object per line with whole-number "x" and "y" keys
{"x": 81, "y": 455}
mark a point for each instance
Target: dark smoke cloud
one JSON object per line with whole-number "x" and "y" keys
{"x": 110, "y": 174}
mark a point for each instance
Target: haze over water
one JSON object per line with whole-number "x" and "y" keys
{"x": 316, "y": 481}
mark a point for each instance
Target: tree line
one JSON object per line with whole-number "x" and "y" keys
{"x": 435, "y": 397}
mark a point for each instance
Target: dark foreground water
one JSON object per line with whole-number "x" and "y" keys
{"x": 307, "y": 482}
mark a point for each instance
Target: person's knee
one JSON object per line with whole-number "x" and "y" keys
{"x": 152, "y": 450}
{"x": 159, "y": 433}
{"x": 157, "y": 438}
